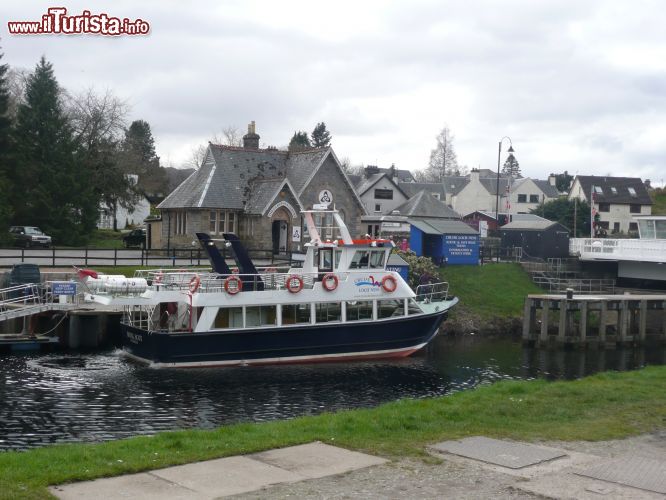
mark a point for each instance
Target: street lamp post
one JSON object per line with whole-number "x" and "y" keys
{"x": 499, "y": 154}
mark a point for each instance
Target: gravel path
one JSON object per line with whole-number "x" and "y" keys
{"x": 415, "y": 479}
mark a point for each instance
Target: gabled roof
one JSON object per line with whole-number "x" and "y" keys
{"x": 531, "y": 225}
{"x": 548, "y": 189}
{"x": 454, "y": 184}
{"x": 262, "y": 193}
{"x": 491, "y": 185}
{"x": 302, "y": 166}
{"x": 621, "y": 185}
{"x": 423, "y": 204}
{"x": 367, "y": 183}
{"x": 440, "y": 227}
{"x": 412, "y": 188}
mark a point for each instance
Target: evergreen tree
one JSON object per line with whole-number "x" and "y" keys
{"x": 53, "y": 189}
{"x": 563, "y": 210}
{"x": 511, "y": 167}
{"x": 5, "y": 155}
{"x": 443, "y": 159}
{"x": 139, "y": 157}
{"x": 299, "y": 141}
{"x": 321, "y": 137}
{"x": 563, "y": 181}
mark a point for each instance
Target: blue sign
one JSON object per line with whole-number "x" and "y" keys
{"x": 461, "y": 248}
{"x": 63, "y": 288}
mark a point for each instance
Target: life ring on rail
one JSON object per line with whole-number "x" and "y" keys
{"x": 194, "y": 283}
{"x": 330, "y": 282}
{"x": 158, "y": 278}
{"x": 235, "y": 288}
{"x": 294, "y": 283}
{"x": 389, "y": 284}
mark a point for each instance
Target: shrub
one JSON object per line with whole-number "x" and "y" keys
{"x": 421, "y": 269}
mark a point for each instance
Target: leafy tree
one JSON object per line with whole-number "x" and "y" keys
{"x": 5, "y": 147}
{"x": 139, "y": 157}
{"x": 443, "y": 159}
{"x": 321, "y": 137}
{"x": 563, "y": 181}
{"x": 299, "y": 141}
{"x": 421, "y": 269}
{"x": 53, "y": 188}
{"x": 511, "y": 167}
{"x": 562, "y": 210}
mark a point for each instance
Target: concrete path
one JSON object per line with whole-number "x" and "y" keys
{"x": 224, "y": 476}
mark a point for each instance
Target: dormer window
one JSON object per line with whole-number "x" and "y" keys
{"x": 598, "y": 190}
{"x": 632, "y": 191}
{"x": 613, "y": 190}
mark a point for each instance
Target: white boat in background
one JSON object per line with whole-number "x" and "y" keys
{"x": 342, "y": 304}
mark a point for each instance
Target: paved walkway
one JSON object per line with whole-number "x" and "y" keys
{"x": 474, "y": 467}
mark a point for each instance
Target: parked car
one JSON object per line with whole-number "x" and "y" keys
{"x": 135, "y": 238}
{"x": 29, "y": 236}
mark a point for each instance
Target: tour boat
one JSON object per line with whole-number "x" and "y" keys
{"x": 342, "y": 304}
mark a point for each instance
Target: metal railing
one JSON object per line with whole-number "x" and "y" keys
{"x": 578, "y": 285}
{"x": 432, "y": 292}
{"x": 31, "y": 298}
{"x": 618, "y": 249}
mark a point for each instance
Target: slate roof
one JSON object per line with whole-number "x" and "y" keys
{"x": 455, "y": 184}
{"x": 261, "y": 192}
{"x": 548, "y": 189}
{"x": 301, "y": 165}
{"x": 413, "y": 188}
{"x": 490, "y": 183}
{"x": 531, "y": 225}
{"x": 439, "y": 226}
{"x": 366, "y": 182}
{"x": 621, "y": 185}
{"x": 423, "y": 204}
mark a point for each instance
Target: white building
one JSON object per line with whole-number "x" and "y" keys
{"x": 133, "y": 216}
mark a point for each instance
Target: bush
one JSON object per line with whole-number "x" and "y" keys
{"x": 421, "y": 269}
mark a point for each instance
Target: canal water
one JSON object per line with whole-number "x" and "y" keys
{"x": 73, "y": 397}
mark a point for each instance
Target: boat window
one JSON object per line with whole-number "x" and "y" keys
{"x": 647, "y": 228}
{"x": 390, "y": 308}
{"x": 377, "y": 259}
{"x": 295, "y": 314}
{"x": 413, "y": 307}
{"x": 229, "y": 317}
{"x": 360, "y": 260}
{"x": 328, "y": 311}
{"x": 359, "y": 310}
{"x": 325, "y": 259}
{"x": 260, "y": 316}
{"x": 338, "y": 255}
{"x": 661, "y": 229}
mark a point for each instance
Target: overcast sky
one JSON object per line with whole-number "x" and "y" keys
{"x": 577, "y": 85}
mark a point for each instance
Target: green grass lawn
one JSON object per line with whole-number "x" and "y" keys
{"x": 605, "y": 406}
{"x": 490, "y": 290}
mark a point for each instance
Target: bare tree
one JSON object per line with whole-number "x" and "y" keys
{"x": 443, "y": 159}
{"x": 97, "y": 117}
{"x": 16, "y": 82}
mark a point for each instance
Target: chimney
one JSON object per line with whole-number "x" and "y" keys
{"x": 474, "y": 174}
{"x": 251, "y": 139}
{"x": 371, "y": 169}
{"x": 392, "y": 173}
{"x": 552, "y": 180}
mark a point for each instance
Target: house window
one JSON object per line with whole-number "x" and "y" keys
{"x": 383, "y": 194}
{"x": 616, "y": 227}
{"x": 633, "y": 226}
{"x": 534, "y": 198}
{"x": 604, "y": 207}
{"x": 181, "y": 222}
{"x": 222, "y": 221}
{"x": 522, "y": 198}
{"x": 378, "y": 207}
{"x": 634, "y": 208}
{"x": 632, "y": 191}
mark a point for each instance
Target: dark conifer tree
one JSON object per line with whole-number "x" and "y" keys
{"x": 5, "y": 156}
{"x": 321, "y": 137}
{"x": 140, "y": 158}
{"x": 299, "y": 141}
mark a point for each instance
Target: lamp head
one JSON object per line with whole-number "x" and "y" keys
{"x": 510, "y": 150}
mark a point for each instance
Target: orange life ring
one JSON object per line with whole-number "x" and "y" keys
{"x": 233, "y": 290}
{"x": 329, "y": 286}
{"x": 158, "y": 278}
{"x": 194, "y": 283}
{"x": 389, "y": 284}
{"x": 298, "y": 286}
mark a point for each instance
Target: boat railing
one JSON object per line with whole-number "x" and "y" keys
{"x": 432, "y": 292}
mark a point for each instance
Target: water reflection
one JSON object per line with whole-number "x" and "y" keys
{"x": 91, "y": 397}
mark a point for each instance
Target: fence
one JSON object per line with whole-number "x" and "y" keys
{"x": 129, "y": 257}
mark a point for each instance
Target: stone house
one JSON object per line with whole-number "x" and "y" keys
{"x": 616, "y": 199}
{"x": 258, "y": 194}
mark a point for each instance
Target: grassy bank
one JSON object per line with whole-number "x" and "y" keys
{"x": 605, "y": 406}
{"x": 491, "y": 290}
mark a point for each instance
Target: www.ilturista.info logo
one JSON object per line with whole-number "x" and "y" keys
{"x": 57, "y": 22}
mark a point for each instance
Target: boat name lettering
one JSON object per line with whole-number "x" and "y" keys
{"x": 369, "y": 281}
{"x": 134, "y": 338}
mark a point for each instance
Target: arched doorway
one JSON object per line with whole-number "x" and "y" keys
{"x": 280, "y": 226}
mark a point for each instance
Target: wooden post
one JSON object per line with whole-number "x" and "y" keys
{"x": 583, "y": 321}
{"x": 642, "y": 321}
{"x": 603, "y": 320}
{"x": 624, "y": 319}
{"x": 545, "y": 309}
{"x": 527, "y": 318}
{"x": 563, "y": 321}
